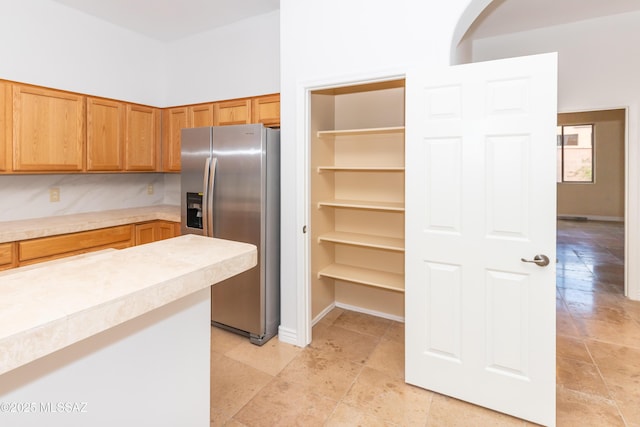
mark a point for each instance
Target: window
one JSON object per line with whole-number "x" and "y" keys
{"x": 575, "y": 153}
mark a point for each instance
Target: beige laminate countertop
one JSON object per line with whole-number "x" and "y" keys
{"x": 11, "y": 231}
{"x": 48, "y": 306}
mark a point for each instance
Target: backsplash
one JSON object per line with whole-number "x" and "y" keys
{"x": 27, "y": 196}
{"x": 172, "y": 189}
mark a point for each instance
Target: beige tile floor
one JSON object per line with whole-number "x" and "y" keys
{"x": 352, "y": 373}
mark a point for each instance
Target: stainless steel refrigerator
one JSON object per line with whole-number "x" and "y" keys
{"x": 230, "y": 189}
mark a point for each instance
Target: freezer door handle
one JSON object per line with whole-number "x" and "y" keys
{"x": 205, "y": 196}
{"x": 212, "y": 187}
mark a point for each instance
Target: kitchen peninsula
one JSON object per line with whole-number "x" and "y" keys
{"x": 116, "y": 337}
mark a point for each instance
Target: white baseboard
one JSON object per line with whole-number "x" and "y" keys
{"x": 371, "y": 312}
{"x": 323, "y": 313}
{"x": 290, "y": 336}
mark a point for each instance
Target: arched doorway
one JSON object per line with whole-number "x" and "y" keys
{"x": 595, "y": 321}
{"x": 583, "y": 86}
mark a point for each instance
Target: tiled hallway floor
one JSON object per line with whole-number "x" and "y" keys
{"x": 352, "y": 373}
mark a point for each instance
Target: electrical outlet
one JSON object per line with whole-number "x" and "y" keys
{"x": 54, "y": 194}
{"x": 150, "y": 189}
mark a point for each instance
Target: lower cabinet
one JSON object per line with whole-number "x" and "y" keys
{"x": 25, "y": 252}
{"x": 153, "y": 231}
{"x": 7, "y": 255}
{"x": 48, "y": 248}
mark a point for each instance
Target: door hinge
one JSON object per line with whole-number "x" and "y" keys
{"x": 304, "y": 229}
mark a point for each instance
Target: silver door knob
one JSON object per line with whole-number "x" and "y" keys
{"x": 539, "y": 260}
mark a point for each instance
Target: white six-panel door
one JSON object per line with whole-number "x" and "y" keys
{"x": 480, "y": 196}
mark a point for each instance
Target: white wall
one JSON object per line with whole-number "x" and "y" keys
{"x": 235, "y": 61}
{"x": 335, "y": 41}
{"x": 598, "y": 69}
{"x": 598, "y": 61}
{"x": 48, "y": 44}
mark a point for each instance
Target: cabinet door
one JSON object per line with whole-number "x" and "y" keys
{"x": 142, "y": 145}
{"x": 266, "y": 110}
{"x": 145, "y": 233}
{"x": 105, "y": 134}
{"x": 7, "y": 255}
{"x": 173, "y": 121}
{"x": 5, "y": 126}
{"x": 235, "y": 112}
{"x": 48, "y": 130}
{"x": 153, "y": 231}
{"x": 165, "y": 230}
{"x": 200, "y": 115}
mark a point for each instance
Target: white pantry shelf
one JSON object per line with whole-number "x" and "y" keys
{"x": 365, "y": 131}
{"x": 365, "y": 240}
{"x": 364, "y": 276}
{"x": 360, "y": 169}
{"x": 363, "y": 204}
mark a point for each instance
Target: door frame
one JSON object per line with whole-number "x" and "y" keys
{"x": 467, "y": 17}
{"x": 303, "y": 120}
{"x": 302, "y": 335}
{"x": 631, "y": 289}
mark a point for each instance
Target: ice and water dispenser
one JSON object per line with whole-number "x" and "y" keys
{"x": 194, "y": 210}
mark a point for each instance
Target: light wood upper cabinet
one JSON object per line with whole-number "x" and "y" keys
{"x": 173, "y": 121}
{"x": 200, "y": 115}
{"x": 5, "y": 126}
{"x": 236, "y": 112}
{"x": 266, "y": 110}
{"x": 142, "y": 148}
{"x": 48, "y": 130}
{"x": 105, "y": 134}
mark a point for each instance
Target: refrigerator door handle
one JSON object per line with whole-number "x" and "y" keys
{"x": 205, "y": 197}
{"x": 212, "y": 186}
